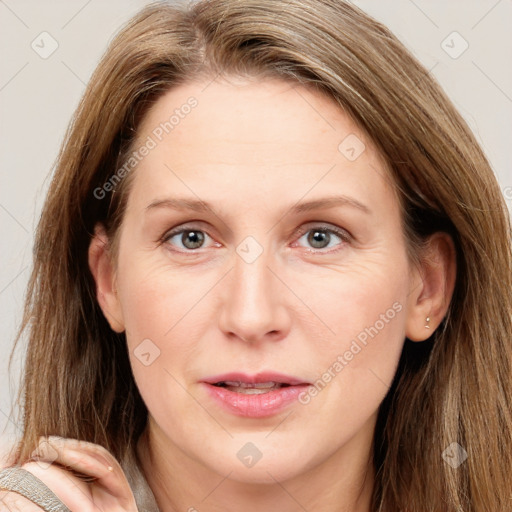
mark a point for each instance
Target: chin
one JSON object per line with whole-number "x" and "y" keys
{"x": 264, "y": 465}
{"x": 264, "y": 474}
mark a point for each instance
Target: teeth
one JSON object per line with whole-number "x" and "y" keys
{"x": 256, "y": 385}
{"x": 256, "y": 388}
{"x": 251, "y": 391}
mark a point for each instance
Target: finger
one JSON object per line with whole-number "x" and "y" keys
{"x": 86, "y": 458}
{"x": 81, "y": 462}
{"x": 95, "y": 450}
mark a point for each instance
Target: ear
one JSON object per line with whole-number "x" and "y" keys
{"x": 432, "y": 285}
{"x": 102, "y": 269}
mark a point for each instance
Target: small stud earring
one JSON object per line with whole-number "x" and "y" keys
{"x": 428, "y": 320}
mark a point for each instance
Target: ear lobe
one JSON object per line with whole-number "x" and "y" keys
{"x": 432, "y": 287}
{"x": 102, "y": 269}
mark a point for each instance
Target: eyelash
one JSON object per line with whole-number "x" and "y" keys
{"x": 342, "y": 234}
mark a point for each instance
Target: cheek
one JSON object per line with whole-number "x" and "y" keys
{"x": 364, "y": 303}
{"x": 158, "y": 310}
{"x": 362, "y": 335}
{"x": 156, "y": 298}
{"x": 165, "y": 311}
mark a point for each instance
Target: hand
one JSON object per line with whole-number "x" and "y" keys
{"x": 84, "y": 476}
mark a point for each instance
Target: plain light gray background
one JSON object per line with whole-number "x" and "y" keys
{"x": 38, "y": 96}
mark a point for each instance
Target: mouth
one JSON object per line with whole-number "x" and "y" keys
{"x": 250, "y": 389}
{"x": 254, "y": 396}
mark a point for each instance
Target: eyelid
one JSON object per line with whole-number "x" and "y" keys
{"x": 323, "y": 226}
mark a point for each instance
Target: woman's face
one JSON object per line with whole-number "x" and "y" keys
{"x": 292, "y": 261}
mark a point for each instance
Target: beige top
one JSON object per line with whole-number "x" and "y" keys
{"x": 144, "y": 497}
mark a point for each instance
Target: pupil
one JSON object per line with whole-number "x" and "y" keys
{"x": 317, "y": 238}
{"x": 195, "y": 237}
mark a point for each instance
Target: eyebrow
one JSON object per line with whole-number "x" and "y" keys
{"x": 180, "y": 203}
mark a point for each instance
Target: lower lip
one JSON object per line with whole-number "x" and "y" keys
{"x": 255, "y": 406}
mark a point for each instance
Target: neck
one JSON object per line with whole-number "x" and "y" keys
{"x": 342, "y": 483}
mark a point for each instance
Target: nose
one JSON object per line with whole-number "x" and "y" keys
{"x": 254, "y": 306}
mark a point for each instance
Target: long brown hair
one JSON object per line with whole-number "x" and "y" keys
{"x": 455, "y": 387}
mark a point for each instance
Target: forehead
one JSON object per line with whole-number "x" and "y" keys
{"x": 263, "y": 133}
{"x": 265, "y": 113}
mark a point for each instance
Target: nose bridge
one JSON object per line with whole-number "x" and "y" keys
{"x": 251, "y": 279}
{"x": 252, "y": 302}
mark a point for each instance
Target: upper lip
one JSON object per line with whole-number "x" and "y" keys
{"x": 255, "y": 378}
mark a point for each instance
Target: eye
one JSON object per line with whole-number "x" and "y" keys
{"x": 320, "y": 237}
{"x": 189, "y": 238}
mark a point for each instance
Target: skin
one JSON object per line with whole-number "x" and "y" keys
{"x": 253, "y": 149}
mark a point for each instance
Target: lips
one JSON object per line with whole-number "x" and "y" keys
{"x": 257, "y": 396}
